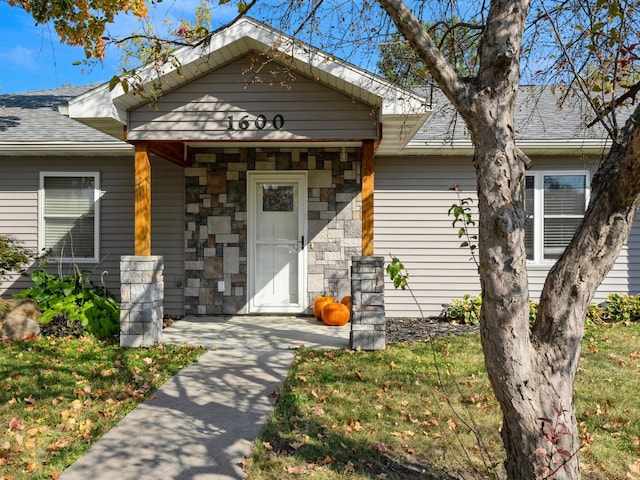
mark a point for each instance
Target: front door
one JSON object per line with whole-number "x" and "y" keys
{"x": 277, "y": 224}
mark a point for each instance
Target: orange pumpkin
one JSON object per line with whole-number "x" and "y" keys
{"x": 346, "y": 301}
{"x": 335, "y": 314}
{"x": 319, "y": 303}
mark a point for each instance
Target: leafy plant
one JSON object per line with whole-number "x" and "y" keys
{"x": 622, "y": 308}
{"x": 74, "y": 296}
{"x": 398, "y": 273}
{"x": 551, "y": 456}
{"x": 463, "y": 221}
{"x": 60, "y": 326}
{"x": 13, "y": 256}
{"x": 466, "y": 309}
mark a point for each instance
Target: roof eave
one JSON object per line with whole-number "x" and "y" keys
{"x": 530, "y": 147}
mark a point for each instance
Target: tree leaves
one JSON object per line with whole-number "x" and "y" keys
{"x": 78, "y": 25}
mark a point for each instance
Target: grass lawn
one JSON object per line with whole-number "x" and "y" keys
{"x": 386, "y": 415}
{"x": 57, "y": 396}
{"x": 340, "y": 415}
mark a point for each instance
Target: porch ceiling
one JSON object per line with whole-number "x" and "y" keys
{"x": 401, "y": 112}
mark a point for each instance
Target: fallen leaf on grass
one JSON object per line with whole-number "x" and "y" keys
{"x": 452, "y": 424}
{"x": 295, "y": 470}
{"x": 381, "y": 447}
{"x": 14, "y": 423}
{"x": 58, "y": 444}
{"x": 326, "y": 460}
{"x": 30, "y": 466}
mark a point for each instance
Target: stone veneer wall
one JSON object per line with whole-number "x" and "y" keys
{"x": 142, "y": 294}
{"x": 216, "y": 222}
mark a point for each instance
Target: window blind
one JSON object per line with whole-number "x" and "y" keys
{"x": 564, "y": 205}
{"x": 69, "y": 215}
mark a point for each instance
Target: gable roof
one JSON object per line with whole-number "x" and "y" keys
{"x": 31, "y": 123}
{"x": 401, "y": 111}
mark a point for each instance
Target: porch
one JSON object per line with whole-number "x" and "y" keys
{"x": 252, "y": 332}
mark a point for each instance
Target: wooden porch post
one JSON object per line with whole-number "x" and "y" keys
{"x": 368, "y": 153}
{"x": 142, "y": 199}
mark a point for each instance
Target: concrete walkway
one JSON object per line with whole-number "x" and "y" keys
{"x": 202, "y": 423}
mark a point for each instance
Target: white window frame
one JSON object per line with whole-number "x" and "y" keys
{"x": 96, "y": 214}
{"x": 538, "y": 211}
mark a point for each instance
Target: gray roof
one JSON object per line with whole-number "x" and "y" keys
{"x": 34, "y": 118}
{"x": 540, "y": 122}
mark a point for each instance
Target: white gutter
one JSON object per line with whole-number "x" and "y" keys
{"x": 65, "y": 148}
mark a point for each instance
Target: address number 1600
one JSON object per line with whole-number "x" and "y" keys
{"x": 260, "y": 122}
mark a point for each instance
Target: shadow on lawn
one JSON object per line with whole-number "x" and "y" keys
{"x": 338, "y": 451}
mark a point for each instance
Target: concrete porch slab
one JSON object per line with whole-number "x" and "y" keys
{"x": 256, "y": 332}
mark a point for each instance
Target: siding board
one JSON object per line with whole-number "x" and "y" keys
{"x": 19, "y": 205}
{"x": 412, "y": 197}
{"x": 199, "y": 109}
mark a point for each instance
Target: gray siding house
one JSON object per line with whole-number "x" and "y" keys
{"x": 263, "y": 168}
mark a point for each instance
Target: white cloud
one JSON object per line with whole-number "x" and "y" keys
{"x": 19, "y": 57}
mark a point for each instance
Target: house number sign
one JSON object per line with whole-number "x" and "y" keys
{"x": 260, "y": 122}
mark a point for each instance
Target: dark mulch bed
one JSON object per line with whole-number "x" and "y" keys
{"x": 421, "y": 329}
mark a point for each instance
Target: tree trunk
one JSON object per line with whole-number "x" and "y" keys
{"x": 533, "y": 388}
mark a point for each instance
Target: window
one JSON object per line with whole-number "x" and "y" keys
{"x": 555, "y": 204}
{"x": 68, "y": 215}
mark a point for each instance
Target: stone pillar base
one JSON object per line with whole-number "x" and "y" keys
{"x": 368, "y": 323}
{"x": 142, "y": 296}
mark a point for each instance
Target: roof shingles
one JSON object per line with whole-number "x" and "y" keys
{"x": 33, "y": 117}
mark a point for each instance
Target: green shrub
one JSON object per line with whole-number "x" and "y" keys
{"x": 617, "y": 308}
{"x": 595, "y": 314}
{"x": 76, "y": 297}
{"x": 621, "y": 308}
{"x": 465, "y": 310}
{"x": 13, "y": 256}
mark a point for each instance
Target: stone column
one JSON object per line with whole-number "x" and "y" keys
{"x": 141, "y": 305}
{"x": 368, "y": 324}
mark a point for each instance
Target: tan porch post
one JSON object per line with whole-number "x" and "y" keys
{"x": 142, "y": 199}
{"x": 141, "y": 275}
{"x": 368, "y": 324}
{"x": 368, "y": 153}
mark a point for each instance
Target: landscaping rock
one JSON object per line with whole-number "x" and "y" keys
{"x": 16, "y": 327}
{"x": 20, "y": 320}
{"x": 25, "y": 307}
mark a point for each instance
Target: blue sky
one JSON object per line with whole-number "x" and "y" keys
{"x": 32, "y": 58}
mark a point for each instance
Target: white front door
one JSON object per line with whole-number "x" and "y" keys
{"x": 277, "y": 224}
